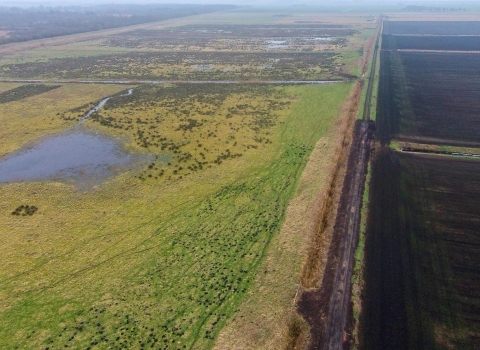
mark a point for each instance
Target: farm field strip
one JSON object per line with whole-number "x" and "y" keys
{"x": 430, "y": 107}
{"x": 440, "y": 153}
{"x": 184, "y": 66}
{"x": 432, "y": 28}
{"x": 432, "y": 148}
{"x": 431, "y": 253}
{"x": 160, "y": 82}
{"x": 440, "y": 51}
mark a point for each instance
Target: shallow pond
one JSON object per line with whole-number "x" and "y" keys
{"x": 84, "y": 158}
{"x": 77, "y": 156}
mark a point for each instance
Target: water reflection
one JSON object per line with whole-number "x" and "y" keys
{"x": 76, "y": 155}
{"x": 79, "y": 156}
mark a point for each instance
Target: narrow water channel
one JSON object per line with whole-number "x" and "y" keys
{"x": 99, "y": 106}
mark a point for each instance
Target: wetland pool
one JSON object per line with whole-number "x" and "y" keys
{"x": 86, "y": 159}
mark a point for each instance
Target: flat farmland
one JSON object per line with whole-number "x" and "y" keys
{"x": 441, "y": 43}
{"x": 432, "y": 27}
{"x": 422, "y": 266}
{"x": 424, "y": 248}
{"x": 432, "y": 97}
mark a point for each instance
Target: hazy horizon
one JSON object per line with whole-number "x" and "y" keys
{"x": 257, "y": 3}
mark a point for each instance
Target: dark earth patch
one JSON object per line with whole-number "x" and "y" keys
{"x": 431, "y": 97}
{"x": 423, "y": 254}
{"x": 25, "y": 91}
{"x": 447, "y": 42}
{"x": 432, "y": 27}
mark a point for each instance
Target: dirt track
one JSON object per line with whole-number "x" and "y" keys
{"x": 349, "y": 223}
{"x": 326, "y": 309}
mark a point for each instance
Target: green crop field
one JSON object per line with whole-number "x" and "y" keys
{"x": 169, "y": 253}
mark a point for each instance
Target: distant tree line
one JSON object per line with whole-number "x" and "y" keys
{"x": 22, "y": 24}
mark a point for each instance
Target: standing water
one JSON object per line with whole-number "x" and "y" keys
{"x": 100, "y": 105}
{"x": 85, "y": 158}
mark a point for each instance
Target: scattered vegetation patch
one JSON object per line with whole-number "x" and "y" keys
{"x": 163, "y": 263}
{"x": 25, "y": 210}
{"x": 178, "y": 65}
{"x": 195, "y": 127}
{"x": 293, "y": 37}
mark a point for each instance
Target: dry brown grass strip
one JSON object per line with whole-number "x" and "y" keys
{"x": 327, "y": 203}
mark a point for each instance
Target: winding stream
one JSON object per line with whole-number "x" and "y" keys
{"x": 100, "y": 105}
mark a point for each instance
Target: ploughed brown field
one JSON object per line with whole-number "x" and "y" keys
{"x": 423, "y": 243}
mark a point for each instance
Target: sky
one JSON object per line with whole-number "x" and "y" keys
{"x": 28, "y": 3}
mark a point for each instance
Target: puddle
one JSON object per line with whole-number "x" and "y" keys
{"x": 77, "y": 156}
{"x": 277, "y": 44}
{"x": 203, "y": 67}
{"x": 323, "y": 39}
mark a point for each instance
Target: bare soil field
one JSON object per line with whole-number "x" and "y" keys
{"x": 423, "y": 252}
{"x": 432, "y": 97}
{"x": 433, "y": 16}
{"x": 422, "y": 241}
{"x": 442, "y": 43}
{"x": 450, "y": 27}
